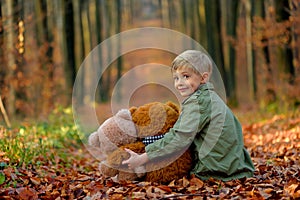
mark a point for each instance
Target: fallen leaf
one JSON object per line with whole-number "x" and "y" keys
{"x": 196, "y": 182}
{"x": 83, "y": 178}
{"x": 154, "y": 192}
{"x": 35, "y": 180}
{"x": 27, "y": 193}
{"x": 138, "y": 195}
{"x": 165, "y": 188}
{"x": 61, "y": 178}
{"x": 116, "y": 196}
{"x": 192, "y": 189}
{"x": 172, "y": 184}
{"x": 185, "y": 182}
{"x": 291, "y": 189}
{"x": 268, "y": 190}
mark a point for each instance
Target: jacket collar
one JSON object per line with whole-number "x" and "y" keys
{"x": 201, "y": 88}
{"x": 206, "y": 86}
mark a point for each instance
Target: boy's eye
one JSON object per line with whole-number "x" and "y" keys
{"x": 175, "y": 78}
{"x": 186, "y": 76}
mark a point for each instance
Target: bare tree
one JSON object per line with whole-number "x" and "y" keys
{"x": 7, "y": 7}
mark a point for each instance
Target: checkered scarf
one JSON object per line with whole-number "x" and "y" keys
{"x": 151, "y": 139}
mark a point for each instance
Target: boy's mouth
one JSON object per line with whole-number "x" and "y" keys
{"x": 182, "y": 89}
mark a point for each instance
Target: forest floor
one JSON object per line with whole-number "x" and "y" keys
{"x": 274, "y": 145}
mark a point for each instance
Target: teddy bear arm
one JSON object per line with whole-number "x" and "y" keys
{"x": 126, "y": 175}
{"x": 116, "y": 158}
{"x": 107, "y": 171}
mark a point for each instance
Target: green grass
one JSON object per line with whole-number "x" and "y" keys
{"x": 40, "y": 143}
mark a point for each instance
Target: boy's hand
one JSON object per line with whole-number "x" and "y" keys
{"x": 135, "y": 159}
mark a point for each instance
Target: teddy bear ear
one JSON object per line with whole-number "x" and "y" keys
{"x": 132, "y": 109}
{"x": 124, "y": 113}
{"x": 173, "y": 105}
{"x": 93, "y": 140}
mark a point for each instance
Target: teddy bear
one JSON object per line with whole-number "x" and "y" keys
{"x": 115, "y": 131}
{"x": 152, "y": 121}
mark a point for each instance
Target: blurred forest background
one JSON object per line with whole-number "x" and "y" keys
{"x": 255, "y": 44}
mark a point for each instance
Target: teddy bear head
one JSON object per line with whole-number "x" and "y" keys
{"x": 114, "y": 132}
{"x": 154, "y": 118}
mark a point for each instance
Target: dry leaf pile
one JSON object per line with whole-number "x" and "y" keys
{"x": 274, "y": 146}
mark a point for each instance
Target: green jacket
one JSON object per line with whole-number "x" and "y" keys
{"x": 208, "y": 127}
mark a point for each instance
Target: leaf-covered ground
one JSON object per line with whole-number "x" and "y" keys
{"x": 274, "y": 145}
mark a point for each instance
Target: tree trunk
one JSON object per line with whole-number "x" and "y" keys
{"x": 228, "y": 32}
{"x": 183, "y": 22}
{"x": 98, "y": 25}
{"x": 70, "y": 67}
{"x": 4, "y": 114}
{"x": 274, "y": 88}
{"x": 202, "y": 23}
{"x": 119, "y": 59}
{"x": 109, "y": 28}
{"x": 261, "y": 59}
{"x": 79, "y": 47}
{"x": 165, "y": 13}
{"x": 294, "y": 6}
{"x": 214, "y": 38}
{"x": 8, "y": 13}
{"x": 44, "y": 38}
{"x": 87, "y": 46}
{"x": 2, "y": 65}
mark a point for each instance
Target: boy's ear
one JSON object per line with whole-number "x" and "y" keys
{"x": 205, "y": 77}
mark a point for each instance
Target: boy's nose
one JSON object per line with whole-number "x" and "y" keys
{"x": 180, "y": 81}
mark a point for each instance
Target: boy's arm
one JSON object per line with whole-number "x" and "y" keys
{"x": 180, "y": 137}
{"x": 135, "y": 159}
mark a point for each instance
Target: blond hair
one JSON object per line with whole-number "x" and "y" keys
{"x": 198, "y": 61}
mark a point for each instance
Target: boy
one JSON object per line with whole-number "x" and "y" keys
{"x": 206, "y": 125}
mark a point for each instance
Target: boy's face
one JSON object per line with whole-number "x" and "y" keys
{"x": 186, "y": 81}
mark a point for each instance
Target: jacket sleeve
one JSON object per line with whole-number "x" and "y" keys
{"x": 191, "y": 120}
